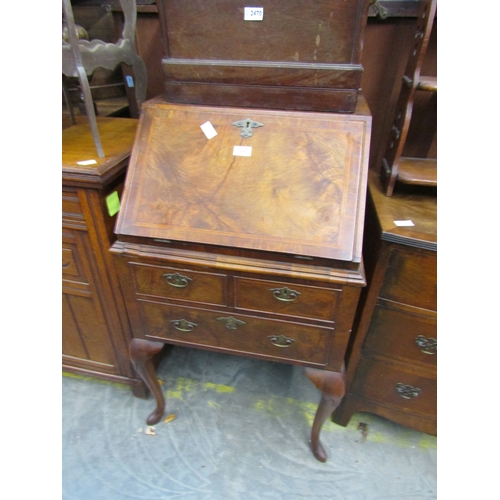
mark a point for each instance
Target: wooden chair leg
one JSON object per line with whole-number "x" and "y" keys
{"x": 141, "y": 354}
{"x": 332, "y": 387}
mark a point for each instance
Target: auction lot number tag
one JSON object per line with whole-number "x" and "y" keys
{"x": 254, "y": 14}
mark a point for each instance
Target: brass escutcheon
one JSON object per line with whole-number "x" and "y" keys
{"x": 285, "y": 294}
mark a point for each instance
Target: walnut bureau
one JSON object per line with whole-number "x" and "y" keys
{"x": 391, "y": 368}
{"x": 248, "y": 242}
{"x": 95, "y": 328}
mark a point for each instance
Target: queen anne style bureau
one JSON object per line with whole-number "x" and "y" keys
{"x": 95, "y": 329}
{"x": 391, "y": 368}
{"x": 254, "y": 251}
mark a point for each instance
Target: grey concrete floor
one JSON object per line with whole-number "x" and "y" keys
{"x": 241, "y": 431}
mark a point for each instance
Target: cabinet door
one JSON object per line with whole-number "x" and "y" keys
{"x": 86, "y": 339}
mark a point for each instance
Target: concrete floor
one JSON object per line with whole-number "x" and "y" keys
{"x": 241, "y": 431}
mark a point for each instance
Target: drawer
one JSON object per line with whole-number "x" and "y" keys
{"x": 287, "y": 299}
{"x": 403, "y": 389}
{"x": 239, "y": 334}
{"x": 71, "y": 207}
{"x": 180, "y": 284}
{"x": 410, "y": 278}
{"x": 395, "y": 333}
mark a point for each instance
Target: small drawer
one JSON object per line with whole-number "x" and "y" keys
{"x": 287, "y": 299}
{"x": 411, "y": 278}
{"x": 395, "y": 333}
{"x": 405, "y": 390}
{"x": 71, "y": 207}
{"x": 180, "y": 284}
{"x": 239, "y": 334}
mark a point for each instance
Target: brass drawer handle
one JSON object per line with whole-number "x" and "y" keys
{"x": 407, "y": 391}
{"x": 232, "y": 323}
{"x": 285, "y": 294}
{"x": 177, "y": 280}
{"x": 183, "y": 325}
{"x": 281, "y": 340}
{"x": 427, "y": 345}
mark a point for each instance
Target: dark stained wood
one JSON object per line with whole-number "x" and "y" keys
{"x": 392, "y": 357}
{"x": 95, "y": 327}
{"x": 272, "y": 63}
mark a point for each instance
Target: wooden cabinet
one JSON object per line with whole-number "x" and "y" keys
{"x": 282, "y": 55}
{"x": 391, "y": 369}
{"x": 248, "y": 242}
{"x": 95, "y": 328}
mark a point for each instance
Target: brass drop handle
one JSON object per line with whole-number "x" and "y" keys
{"x": 427, "y": 345}
{"x": 407, "y": 391}
{"x": 177, "y": 280}
{"x": 231, "y": 323}
{"x": 285, "y": 294}
{"x": 281, "y": 340}
{"x": 183, "y": 325}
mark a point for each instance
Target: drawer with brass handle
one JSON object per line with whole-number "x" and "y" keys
{"x": 391, "y": 385}
{"x": 180, "y": 284}
{"x": 246, "y": 334}
{"x": 285, "y": 298}
{"x": 402, "y": 335}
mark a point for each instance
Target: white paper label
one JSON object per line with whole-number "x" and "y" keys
{"x": 86, "y": 162}
{"x": 403, "y": 223}
{"x": 208, "y": 130}
{"x": 242, "y": 151}
{"x": 253, "y": 14}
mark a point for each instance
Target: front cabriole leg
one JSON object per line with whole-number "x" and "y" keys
{"x": 332, "y": 387}
{"x": 141, "y": 354}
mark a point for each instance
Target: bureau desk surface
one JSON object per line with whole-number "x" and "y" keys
{"x": 256, "y": 255}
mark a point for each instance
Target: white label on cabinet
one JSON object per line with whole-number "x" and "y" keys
{"x": 208, "y": 130}
{"x": 254, "y": 14}
{"x": 401, "y": 223}
{"x": 86, "y": 162}
{"x": 242, "y": 151}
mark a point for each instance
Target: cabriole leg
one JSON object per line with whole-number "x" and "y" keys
{"x": 141, "y": 354}
{"x": 332, "y": 387}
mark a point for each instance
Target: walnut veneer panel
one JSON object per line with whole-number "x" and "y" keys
{"x": 300, "y": 192}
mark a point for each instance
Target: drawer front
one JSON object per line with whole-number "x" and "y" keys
{"x": 287, "y": 299}
{"x": 410, "y": 278}
{"x": 180, "y": 284}
{"x": 236, "y": 333}
{"x": 395, "y": 387}
{"x": 71, "y": 207}
{"x": 408, "y": 336}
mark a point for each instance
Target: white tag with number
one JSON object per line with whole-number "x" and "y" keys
{"x": 242, "y": 151}
{"x": 208, "y": 130}
{"x": 253, "y": 14}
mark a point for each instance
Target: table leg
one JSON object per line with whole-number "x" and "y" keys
{"x": 141, "y": 354}
{"x": 332, "y": 387}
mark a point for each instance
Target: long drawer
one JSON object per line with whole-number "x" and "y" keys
{"x": 399, "y": 334}
{"x": 411, "y": 278}
{"x": 269, "y": 338}
{"x": 403, "y": 389}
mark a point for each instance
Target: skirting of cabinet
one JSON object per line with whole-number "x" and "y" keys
{"x": 353, "y": 403}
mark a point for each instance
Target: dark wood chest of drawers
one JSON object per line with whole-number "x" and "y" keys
{"x": 95, "y": 328}
{"x": 256, "y": 255}
{"x": 391, "y": 368}
{"x": 282, "y": 55}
